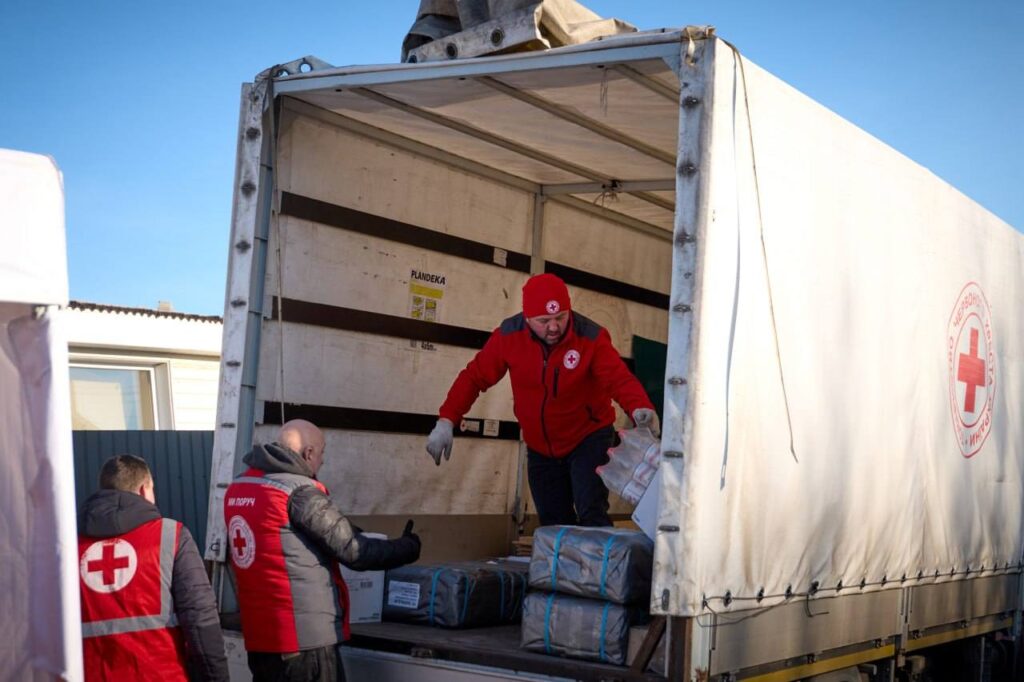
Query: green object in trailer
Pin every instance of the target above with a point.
(649, 366)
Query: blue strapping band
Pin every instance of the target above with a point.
(501, 607)
(554, 560)
(604, 627)
(604, 566)
(470, 584)
(547, 623)
(518, 605)
(433, 593)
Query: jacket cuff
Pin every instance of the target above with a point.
(455, 419)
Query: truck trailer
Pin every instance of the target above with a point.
(840, 490)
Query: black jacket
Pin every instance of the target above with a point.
(109, 513)
(312, 513)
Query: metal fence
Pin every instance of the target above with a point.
(180, 461)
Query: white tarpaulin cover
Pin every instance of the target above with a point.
(897, 343)
(33, 265)
(40, 633)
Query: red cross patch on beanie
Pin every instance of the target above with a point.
(545, 295)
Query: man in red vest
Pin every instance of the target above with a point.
(565, 374)
(148, 611)
(286, 538)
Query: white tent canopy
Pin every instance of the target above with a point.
(40, 633)
(33, 266)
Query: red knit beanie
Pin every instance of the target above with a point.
(544, 295)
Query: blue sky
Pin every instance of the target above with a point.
(138, 103)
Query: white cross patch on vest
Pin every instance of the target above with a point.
(108, 565)
(242, 542)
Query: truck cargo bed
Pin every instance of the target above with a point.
(492, 647)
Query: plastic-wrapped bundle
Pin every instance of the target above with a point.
(632, 464)
(459, 595)
(579, 628)
(598, 563)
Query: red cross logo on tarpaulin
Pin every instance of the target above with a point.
(972, 369)
(242, 542)
(108, 565)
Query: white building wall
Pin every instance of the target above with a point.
(182, 350)
(194, 394)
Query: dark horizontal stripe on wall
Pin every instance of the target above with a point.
(365, 223)
(383, 421)
(350, 219)
(607, 285)
(350, 319)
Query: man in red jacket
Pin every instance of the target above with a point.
(565, 373)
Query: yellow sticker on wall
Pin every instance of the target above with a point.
(426, 289)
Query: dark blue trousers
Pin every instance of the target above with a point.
(313, 665)
(566, 491)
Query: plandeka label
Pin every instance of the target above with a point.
(971, 358)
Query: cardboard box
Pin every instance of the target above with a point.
(365, 591)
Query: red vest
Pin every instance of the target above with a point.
(291, 595)
(129, 630)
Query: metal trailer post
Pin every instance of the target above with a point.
(689, 646)
(243, 311)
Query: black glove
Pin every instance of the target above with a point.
(411, 543)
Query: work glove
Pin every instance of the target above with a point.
(412, 542)
(643, 416)
(440, 441)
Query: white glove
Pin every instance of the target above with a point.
(643, 416)
(440, 441)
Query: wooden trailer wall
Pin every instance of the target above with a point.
(375, 309)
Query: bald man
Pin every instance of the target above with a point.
(286, 538)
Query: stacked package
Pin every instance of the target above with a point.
(579, 628)
(631, 464)
(456, 595)
(596, 583)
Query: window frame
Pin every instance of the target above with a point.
(157, 407)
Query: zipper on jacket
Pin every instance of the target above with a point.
(555, 394)
(543, 403)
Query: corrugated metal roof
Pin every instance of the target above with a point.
(145, 312)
